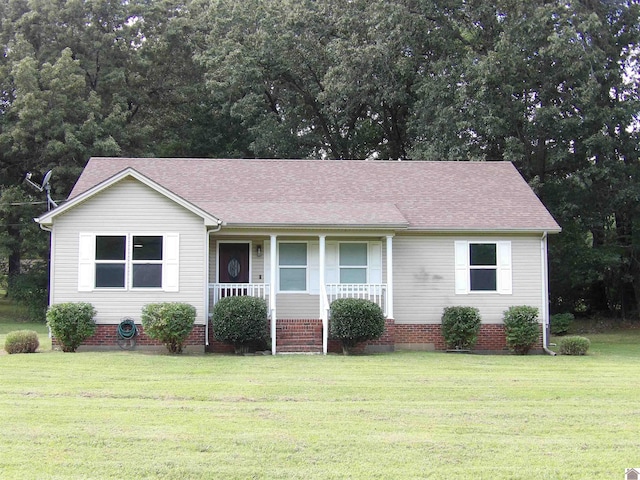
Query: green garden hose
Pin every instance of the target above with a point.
(127, 328)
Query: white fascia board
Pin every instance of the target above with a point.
(47, 219)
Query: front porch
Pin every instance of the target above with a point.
(298, 278)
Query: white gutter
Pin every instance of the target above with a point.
(206, 283)
(544, 310)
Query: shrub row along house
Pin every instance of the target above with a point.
(414, 237)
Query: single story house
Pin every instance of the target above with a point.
(414, 237)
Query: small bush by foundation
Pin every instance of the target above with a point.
(521, 328)
(574, 346)
(169, 322)
(21, 341)
(241, 321)
(71, 323)
(355, 320)
(460, 327)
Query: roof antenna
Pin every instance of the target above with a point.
(45, 187)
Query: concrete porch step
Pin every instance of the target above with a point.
(299, 348)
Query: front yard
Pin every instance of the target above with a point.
(402, 415)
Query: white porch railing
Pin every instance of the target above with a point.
(221, 290)
(374, 292)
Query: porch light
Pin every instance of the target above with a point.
(259, 250)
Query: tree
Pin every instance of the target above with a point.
(546, 85)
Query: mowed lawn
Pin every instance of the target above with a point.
(403, 415)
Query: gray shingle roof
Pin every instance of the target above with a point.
(437, 196)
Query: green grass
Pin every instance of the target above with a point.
(14, 317)
(403, 415)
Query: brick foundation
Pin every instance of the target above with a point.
(305, 336)
(429, 337)
(106, 336)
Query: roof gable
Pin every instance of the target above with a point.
(433, 196)
(47, 218)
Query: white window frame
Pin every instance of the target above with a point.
(353, 267)
(306, 266)
(463, 267)
(87, 262)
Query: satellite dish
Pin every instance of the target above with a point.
(47, 177)
(46, 187)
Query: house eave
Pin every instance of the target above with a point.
(478, 230)
(315, 226)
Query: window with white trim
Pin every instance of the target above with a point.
(483, 267)
(353, 262)
(111, 256)
(292, 266)
(128, 262)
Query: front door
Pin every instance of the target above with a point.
(233, 264)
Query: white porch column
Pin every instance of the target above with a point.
(272, 291)
(323, 296)
(390, 276)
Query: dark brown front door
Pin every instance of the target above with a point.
(234, 263)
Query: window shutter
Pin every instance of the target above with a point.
(314, 267)
(266, 258)
(332, 269)
(504, 268)
(375, 262)
(170, 259)
(86, 262)
(461, 267)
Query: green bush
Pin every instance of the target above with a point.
(21, 341)
(521, 328)
(560, 323)
(355, 320)
(574, 346)
(169, 322)
(71, 323)
(460, 327)
(241, 321)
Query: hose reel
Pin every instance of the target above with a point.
(127, 332)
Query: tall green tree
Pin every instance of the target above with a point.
(552, 87)
(315, 78)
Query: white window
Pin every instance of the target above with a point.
(292, 266)
(125, 262)
(353, 262)
(482, 267)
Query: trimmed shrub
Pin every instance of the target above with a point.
(21, 341)
(460, 327)
(521, 328)
(71, 323)
(355, 320)
(169, 322)
(574, 346)
(241, 321)
(560, 323)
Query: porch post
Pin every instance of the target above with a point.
(323, 297)
(272, 292)
(390, 276)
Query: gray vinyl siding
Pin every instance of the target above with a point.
(129, 207)
(424, 268)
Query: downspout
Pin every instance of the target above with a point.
(545, 294)
(50, 230)
(206, 285)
